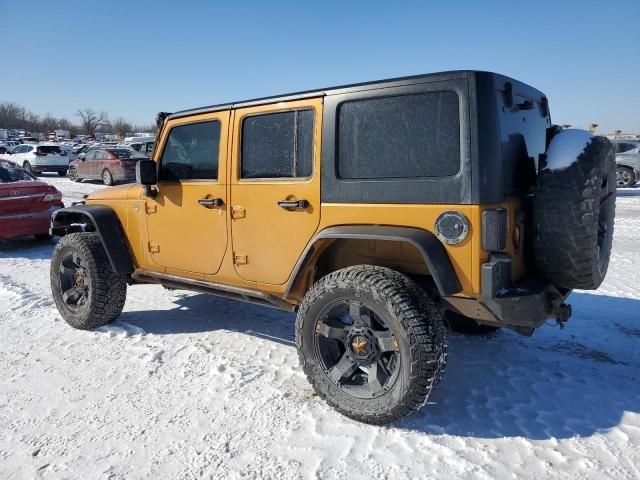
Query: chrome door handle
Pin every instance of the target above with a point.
(299, 204)
(211, 202)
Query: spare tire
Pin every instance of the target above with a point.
(574, 209)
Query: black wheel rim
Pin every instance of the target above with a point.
(74, 281)
(607, 195)
(356, 349)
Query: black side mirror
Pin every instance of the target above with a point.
(147, 175)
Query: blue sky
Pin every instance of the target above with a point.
(134, 59)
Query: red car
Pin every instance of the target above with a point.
(26, 204)
(110, 165)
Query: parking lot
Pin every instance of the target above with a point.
(185, 385)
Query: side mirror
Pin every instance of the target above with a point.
(147, 175)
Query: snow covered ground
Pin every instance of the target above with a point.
(190, 386)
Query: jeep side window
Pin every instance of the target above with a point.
(277, 145)
(404, 136)
(191, 152)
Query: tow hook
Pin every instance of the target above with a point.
(562, 314)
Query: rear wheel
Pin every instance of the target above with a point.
(368, 345)
(107, 178)
(625, 177)
(86, 290)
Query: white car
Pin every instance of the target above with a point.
(40, 157)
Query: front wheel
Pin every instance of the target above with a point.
(27, 166)
(369, 346)
(625, 177)
(86, 290)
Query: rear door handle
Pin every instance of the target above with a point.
(211, 202)
(299, 204)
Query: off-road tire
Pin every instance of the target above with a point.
(461, 324)
(106, 290)
(625, 177)
(568, 208)
(107, 178)
(412, 317)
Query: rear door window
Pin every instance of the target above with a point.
(277, 145)
(404, 136)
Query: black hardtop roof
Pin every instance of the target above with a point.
(342, 89)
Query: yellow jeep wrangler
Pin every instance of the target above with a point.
(381, 213)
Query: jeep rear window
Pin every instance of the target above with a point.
(399, 137)
(191, 152)
(278, 145)
(523, 130)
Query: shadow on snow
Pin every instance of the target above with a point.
(557, 384)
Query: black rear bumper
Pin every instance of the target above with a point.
(526, 303)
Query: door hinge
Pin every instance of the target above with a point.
(240, 258)
(151, 207)
(154, 247)
(238, 212)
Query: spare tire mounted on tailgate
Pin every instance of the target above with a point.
(574, 210)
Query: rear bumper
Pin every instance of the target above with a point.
(525, 303)
(49, 168)
(22, 224)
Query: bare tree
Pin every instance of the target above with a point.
(91, 120)
(12, 115)
(121, 127)
(48, 123)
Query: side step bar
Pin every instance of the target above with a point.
(202, 286)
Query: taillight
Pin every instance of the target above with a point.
(52, 197)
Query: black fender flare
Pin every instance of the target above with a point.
(106, 224)
(431, 249)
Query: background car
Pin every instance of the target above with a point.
(26, 204)
(146, 148)
(40, 157)
(111, 165)
(627, 162)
